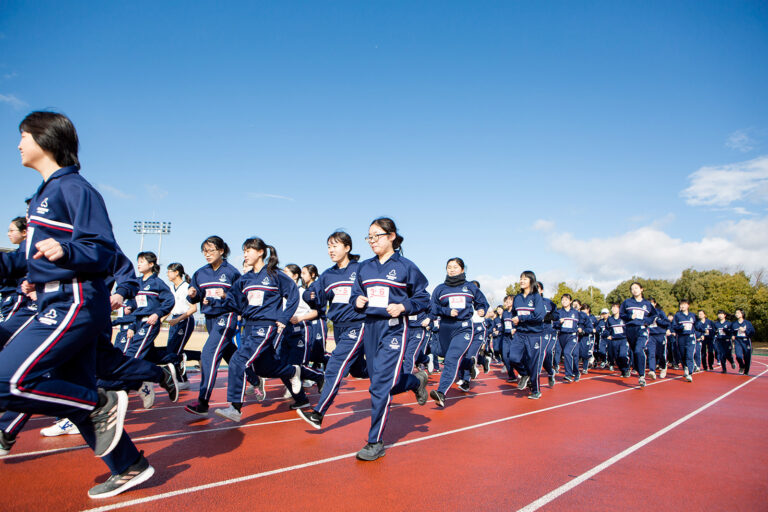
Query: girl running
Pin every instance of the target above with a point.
(684, 325)
(638, 314)
(333, 291)
(12, 298)
(182, 321)
(210, 285)
(48, 367)
(567, 326)
(723, 341)
(388, 288)
(454, 301)
(529, 312)
(618, 348)
(742, 332)
(258, 297)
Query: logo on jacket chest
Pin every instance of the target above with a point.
(265, 281)
(392, 275)
(353, 276)
(223, 278)
(42, 208)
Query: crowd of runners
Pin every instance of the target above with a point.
(67, 356)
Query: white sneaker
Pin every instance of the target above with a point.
(183, 385)
(147, 394)
(183, 364)
(685, 372)
(308, 384)
(287, 393)
(229, 413)
(652, 375)
(60, 428)
(296, 380)
(688, 378)
(663, 373)
(431, 363)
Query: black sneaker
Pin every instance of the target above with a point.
(371, 451)
(421, 391)
(486, 364)
(197, 408)
(320, 382)
(463, 386)
(136, 474)
(299, 404)
(626, 374)
(6, 443)
(314, 418)
(169, 383)
(576, 377)
(108, 421)
(438, 397)
(473, 368)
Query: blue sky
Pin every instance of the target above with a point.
(587, 141)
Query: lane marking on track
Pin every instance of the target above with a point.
(616, 458)
(158, 437)
(254, 476)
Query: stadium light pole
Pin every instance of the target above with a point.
(152, 227)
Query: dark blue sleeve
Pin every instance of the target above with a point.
(418, 298)
(167, 300)
(92, 245)
(290, 292)
(235, 301)
(13, 264)
(623, 314)
(195, 284)
(538, 311)
(125, 277)
(480, 301)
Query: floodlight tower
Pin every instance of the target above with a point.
(152, 227)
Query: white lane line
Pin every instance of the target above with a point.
(245, 478)
(247, 425)
(600, 467)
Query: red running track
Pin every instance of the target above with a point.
(599, 444)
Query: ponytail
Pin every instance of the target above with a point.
(272, 262)
(258, 244)
(344, 239)
(179, 268)
(388, 225)
(150, 258)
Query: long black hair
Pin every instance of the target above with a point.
(258, 244)
(150, 258)
(55, 134)
(344, 239)
(218, 243)
(20, 223)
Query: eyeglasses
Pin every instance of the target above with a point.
(211, 251)
(372, 239)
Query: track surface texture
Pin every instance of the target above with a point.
(599, 444)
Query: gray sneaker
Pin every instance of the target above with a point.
(372, 451)
(524, 380)
(147, 394)
(421, 391)
(229, 413)
(108, 421)
(136, 474)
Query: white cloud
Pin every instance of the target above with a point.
(650, 252)
(254, 195)
(720, 186)
(114, 191)
(13, 101)
(543, 225)
(156, 192)
(740, 141)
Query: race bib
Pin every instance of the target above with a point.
(618, 330)
(378, 296)
(457, 302)
(120, 312)
(51, 286)
(342, 294)
(568, 324)
(508, 324)
(214, 293)
(638, 314)
(256, 297)
(141, 301)
(687, 327)
(524, 312)
(721, 332)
